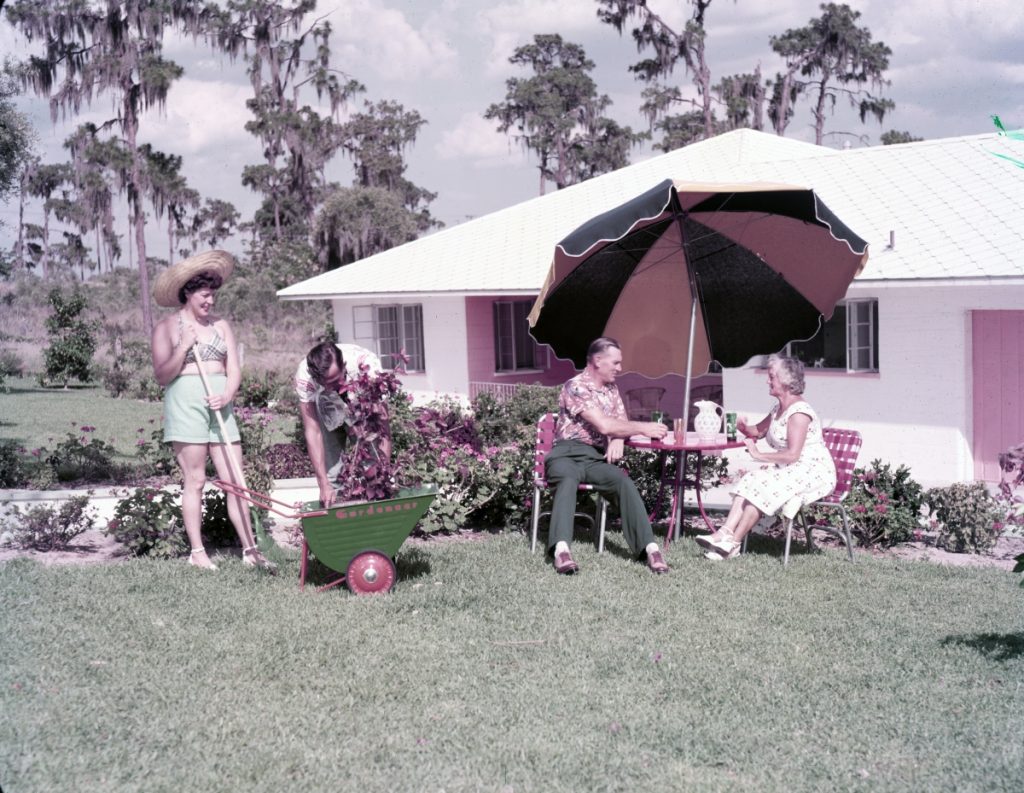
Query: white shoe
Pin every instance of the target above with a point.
(715, 556)
(725, 546)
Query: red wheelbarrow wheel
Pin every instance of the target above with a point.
(370, 573)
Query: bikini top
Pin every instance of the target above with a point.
(214, 350)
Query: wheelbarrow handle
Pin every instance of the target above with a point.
(264, 501)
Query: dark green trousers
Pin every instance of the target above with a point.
(571, 463)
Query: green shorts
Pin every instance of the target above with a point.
(187, 417)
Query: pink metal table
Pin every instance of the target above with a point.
(679, 447)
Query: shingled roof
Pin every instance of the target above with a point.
(952, 208)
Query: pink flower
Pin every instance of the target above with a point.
(112, 525)
(860, 508)
(881, 509)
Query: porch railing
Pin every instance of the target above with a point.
(499, 391)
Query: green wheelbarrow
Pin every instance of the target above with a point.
(358, 540)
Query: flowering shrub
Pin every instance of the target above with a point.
(131, 373)
(288, 461)
(82, 456)
(254, 429)
(43, 528)
(259, 389)
(13, 467)
(884, 506)
(156, 456)
(148, 522)
(966, 515)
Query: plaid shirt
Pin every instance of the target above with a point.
(578, 395)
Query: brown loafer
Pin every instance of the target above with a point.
(657, 562)
(564, 563)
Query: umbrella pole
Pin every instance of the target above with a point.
(686, 409)
(236, 470)
(689, 361)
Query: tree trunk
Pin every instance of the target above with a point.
(20, 245)
(138, 216)
(759, 96)
(704, 87)
(46, 240)
(819, 112)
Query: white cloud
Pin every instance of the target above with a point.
(369, 38)
(1012, 72)
(511, 24)
(478, 139)
(200, 115)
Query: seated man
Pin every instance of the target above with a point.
(320, 382)
(589, 438)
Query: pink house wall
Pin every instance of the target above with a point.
(480, 349)
(998, 376)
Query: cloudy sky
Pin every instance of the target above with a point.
(954, 63)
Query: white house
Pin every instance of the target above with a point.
(925, 356)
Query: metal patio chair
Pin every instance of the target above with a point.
(844, 446)
(641, 402)
(545, 440)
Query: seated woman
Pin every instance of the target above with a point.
(190, 425)
(803, 471)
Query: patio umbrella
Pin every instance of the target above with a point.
(689, 273)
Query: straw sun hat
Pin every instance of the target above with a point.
(170, 281)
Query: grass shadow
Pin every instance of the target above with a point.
(412, 563)
(997, 646)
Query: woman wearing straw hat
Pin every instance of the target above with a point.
(195, 359)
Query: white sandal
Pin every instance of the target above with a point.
(252, 557)
(192, 559)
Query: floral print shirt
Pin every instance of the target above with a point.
(578, 395)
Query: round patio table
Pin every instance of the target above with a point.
(679, 447)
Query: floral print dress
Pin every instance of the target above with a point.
(789, 487)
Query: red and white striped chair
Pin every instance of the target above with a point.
(545, 440)
(844, 446)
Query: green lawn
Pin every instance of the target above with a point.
(36, 416)
(42, 417)
(485, 671)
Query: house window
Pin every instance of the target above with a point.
(848, 341)
(514, 347)
(387, 330)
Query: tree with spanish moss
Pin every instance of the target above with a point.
(835, 57)
(558, 114)
(669, 48)
(286, 56)
(98, 166)
(111, 48)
